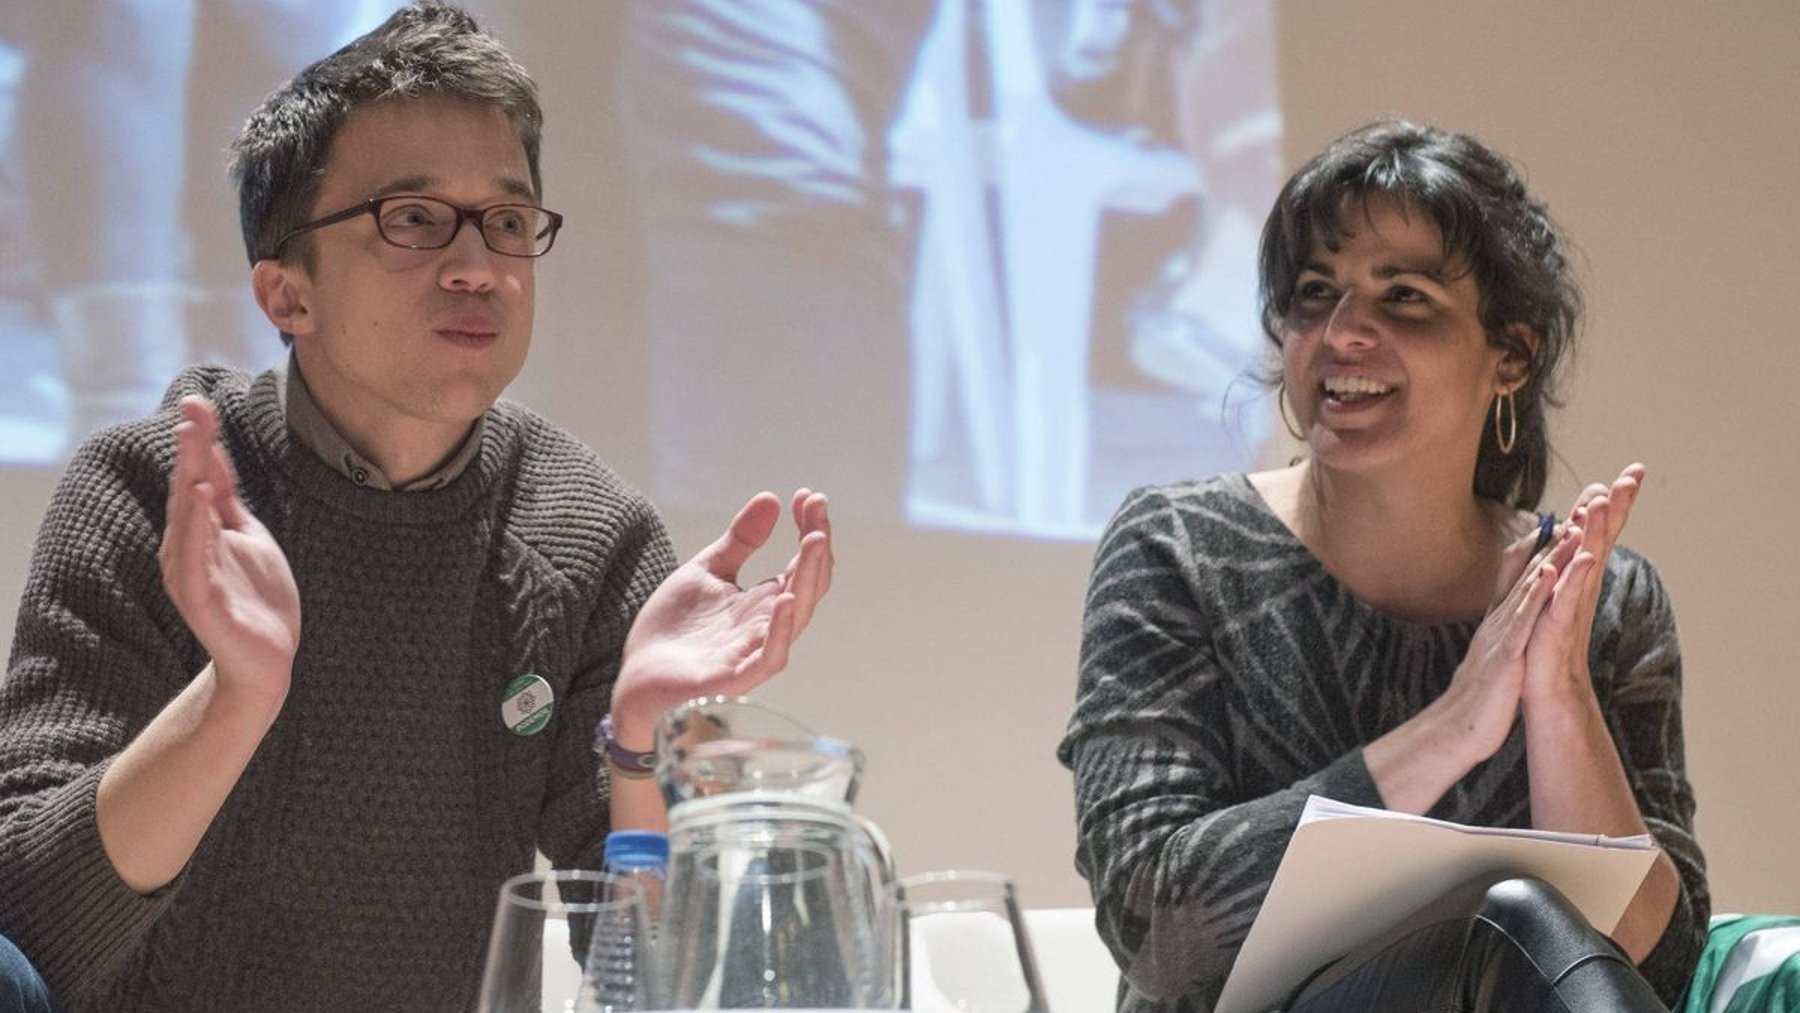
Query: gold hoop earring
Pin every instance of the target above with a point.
(1281, 406)
(1505, 439)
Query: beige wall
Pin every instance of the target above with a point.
(1665, 137)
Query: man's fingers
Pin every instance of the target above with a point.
(772, 656)
(812, 511)
(190, 543)
(780, 636)
(197, 409)
(743, 536)
(814, 518)
(223, 479)
(192, 436)
(199, 413)
(201, 463)
(185, 472)
(818, 520)
(809, 576)
(188, 520)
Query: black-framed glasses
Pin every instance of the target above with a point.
(414, 222)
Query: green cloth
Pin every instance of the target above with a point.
(1777, 991)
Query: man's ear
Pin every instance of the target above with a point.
(1521, 349)
(285, 294)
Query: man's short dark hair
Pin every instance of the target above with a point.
(425, 48)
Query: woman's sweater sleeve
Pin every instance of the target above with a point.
(1177, 861)
(1642, 703)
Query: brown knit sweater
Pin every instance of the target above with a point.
(356, 865)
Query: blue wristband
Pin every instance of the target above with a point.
(629, 762)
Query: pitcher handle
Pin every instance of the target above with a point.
(883, 850)
(893, 927)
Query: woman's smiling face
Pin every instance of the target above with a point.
(1383, 352)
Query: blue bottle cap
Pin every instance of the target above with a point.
(637, 849)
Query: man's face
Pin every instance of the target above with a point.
(394, 342)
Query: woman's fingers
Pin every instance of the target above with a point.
(1515, 564)
(1535, 591)
(1588, 492)
(1623, 495)
(1557, 553)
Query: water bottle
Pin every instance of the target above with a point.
(640, 857)
(621, 964)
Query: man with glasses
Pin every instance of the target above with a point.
(309, 662)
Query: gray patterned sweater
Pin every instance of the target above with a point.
(1226, 676)
(356, 864)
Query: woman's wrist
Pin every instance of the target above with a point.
(1565, 706)
(1465, 727)
(1414, 764)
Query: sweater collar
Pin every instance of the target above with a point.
(314, 431)
(258, 409)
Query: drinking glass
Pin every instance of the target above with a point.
(777, 927)
(966, 946)
(567, 941)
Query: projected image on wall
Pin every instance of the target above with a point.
(971, 264)
(1042, 215)
(118, 232)
(1088, 327)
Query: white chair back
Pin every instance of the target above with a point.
(1074, 966)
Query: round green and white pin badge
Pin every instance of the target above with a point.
(528, 701)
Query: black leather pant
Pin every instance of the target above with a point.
(1517, 945)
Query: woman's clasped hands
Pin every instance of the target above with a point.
(1556, 661)
(1530, 652)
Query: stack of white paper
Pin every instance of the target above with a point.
(1352, 873)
